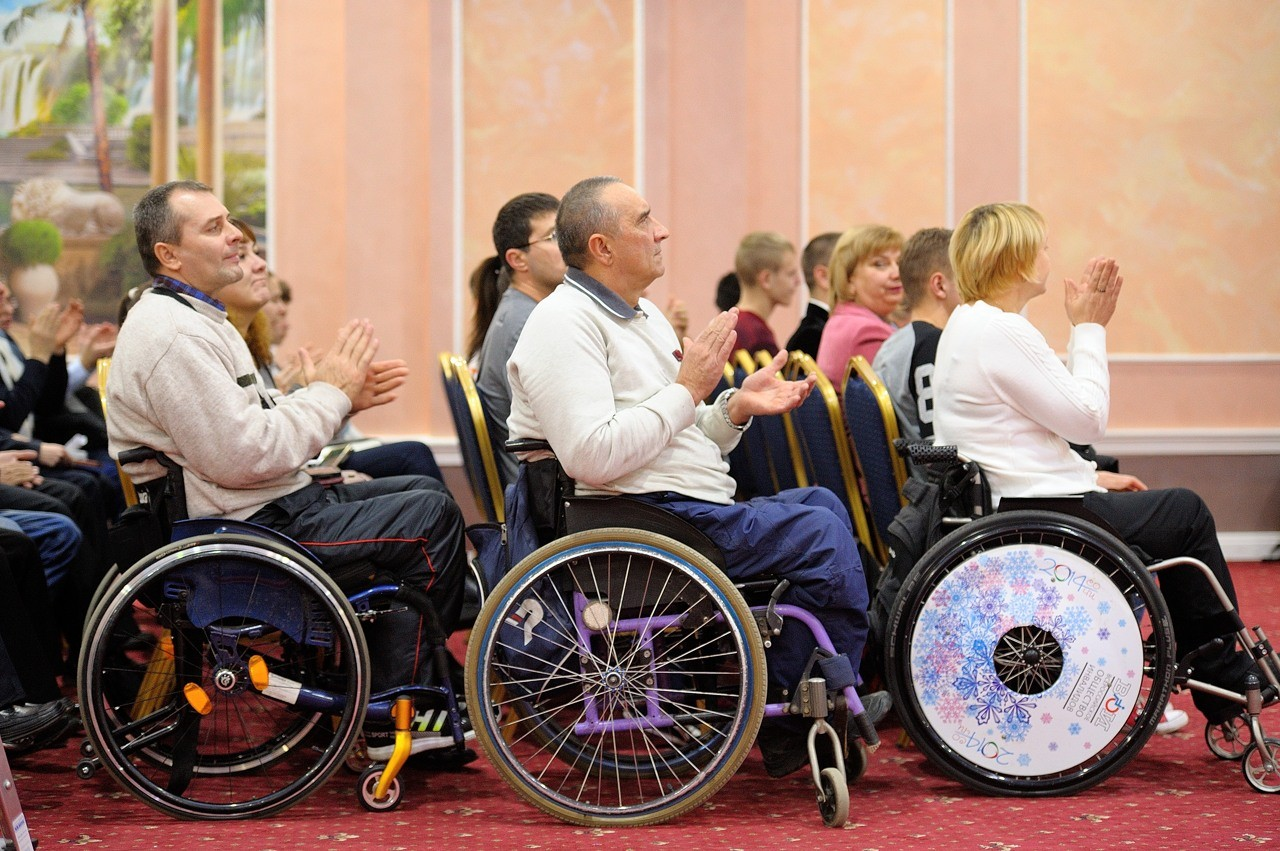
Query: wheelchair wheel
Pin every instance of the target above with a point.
(1260, 770)
(181, 723)
(1229, 739)
(635, 675)
(1016, 660)
(833, 798)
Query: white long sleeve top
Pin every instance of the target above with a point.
(183, 382)
(595, 377)
(1004, 398)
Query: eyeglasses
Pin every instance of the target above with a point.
(548, 238)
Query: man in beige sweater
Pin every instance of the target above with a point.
(183, 382)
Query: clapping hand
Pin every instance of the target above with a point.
(1094, 298)
(703, 359)
(347, 362)
(762, 393)
(381, 382)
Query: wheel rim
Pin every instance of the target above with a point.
(1263, 774)
(251, 754)
(1025, 663)
(1229, 739)
(591, 738)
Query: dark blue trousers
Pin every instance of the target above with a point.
(804, 536)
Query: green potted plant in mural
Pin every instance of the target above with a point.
(28, 250)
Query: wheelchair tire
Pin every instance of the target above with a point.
(1016, 661)
(179, 723)
(634, 672)
(1229, 739)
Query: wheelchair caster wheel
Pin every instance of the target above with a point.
(1263, 774)
(833, 798)
(369, 785)
(86, 768)
(86, 749)
(1229, 739)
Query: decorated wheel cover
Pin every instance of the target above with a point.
(1026, 660)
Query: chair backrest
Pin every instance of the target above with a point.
(126, 483)
(762, 463)
(827, 457)
(873, 427)
(473, 436)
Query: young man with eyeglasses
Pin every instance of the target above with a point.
(528, 259)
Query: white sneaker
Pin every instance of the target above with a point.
(1172, 720)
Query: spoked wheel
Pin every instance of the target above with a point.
(368, 789)
(1262, 771)
(1229, 739)
(634, 673)
(833, 798)
(249, 695)
(1017, 661)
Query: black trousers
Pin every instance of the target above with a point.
(404, 528)
(1176, 522)
(27, 628)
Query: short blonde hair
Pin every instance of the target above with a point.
(855, 246)
(994, 248)
(760, 251)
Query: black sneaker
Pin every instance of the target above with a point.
(784, 742)
(784, 745)
(30, 726)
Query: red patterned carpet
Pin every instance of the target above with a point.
(1175, 794)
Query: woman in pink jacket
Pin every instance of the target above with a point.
(865, 289)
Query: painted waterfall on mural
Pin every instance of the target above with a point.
(76, 114)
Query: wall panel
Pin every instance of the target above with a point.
(877, 104)
(1152, 137)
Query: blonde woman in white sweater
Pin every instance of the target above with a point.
(1005, 400)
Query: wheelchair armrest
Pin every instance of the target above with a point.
(923, 452)
(169, 489)
(146, 453)
(137, 454)
(527, 444)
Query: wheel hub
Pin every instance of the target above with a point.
(226, 680)
(1028, 659)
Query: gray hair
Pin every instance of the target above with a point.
(581, 215)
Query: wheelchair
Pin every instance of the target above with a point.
(1031, 653)
(627, 671)
(226, 675)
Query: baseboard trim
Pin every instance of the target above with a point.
(1123, 442)
(1249, 546)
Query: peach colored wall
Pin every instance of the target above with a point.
(1161, 150)
(544, 105)
(1147, 131)
(877, 105)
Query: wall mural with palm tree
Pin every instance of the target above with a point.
(77, 113)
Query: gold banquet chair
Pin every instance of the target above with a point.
(873, 427)
(826, 456)
(478, 457)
